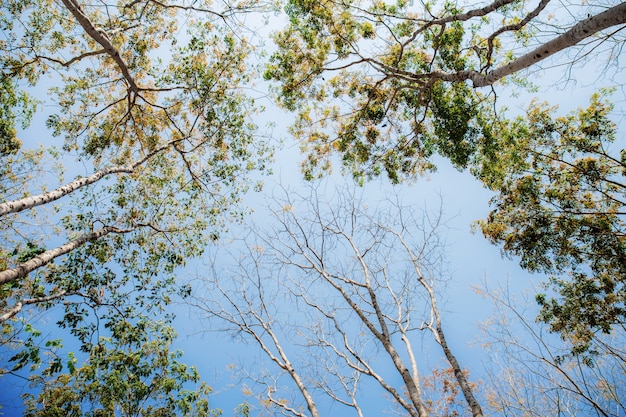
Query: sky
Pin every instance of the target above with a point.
(472, 260)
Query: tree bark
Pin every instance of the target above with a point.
(18, 306)
(102, 38)
(26, 203)
(458, 373)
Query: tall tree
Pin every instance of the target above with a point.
(147, 100)
(363, 283)
(385, 85)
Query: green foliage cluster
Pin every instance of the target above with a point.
(132, 372)
(382, 112)
(561, 195)
(10, 101)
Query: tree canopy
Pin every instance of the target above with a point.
(147, 115)
(561, 207)
(151, 140)
(387, 86)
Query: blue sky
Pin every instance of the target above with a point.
(472, 260)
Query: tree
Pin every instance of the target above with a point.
(184, 120)
(337, 295)
(385, 85)
(120, 361)
(147, 101)
(561, 207)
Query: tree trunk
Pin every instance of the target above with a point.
(33, 201)
(38, 261)
(18, 306)
(101, 37)
(37, 200)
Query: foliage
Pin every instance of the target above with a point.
(124, 339)
(386, 84)
(443, 392)
(146, 113)
(560, 206)
(132, 372)
(10, 101)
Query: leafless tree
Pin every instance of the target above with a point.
(342, 300)
(533, 372)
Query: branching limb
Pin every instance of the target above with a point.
(582, 30)
(20, 304)
(30, 202)
(439, 333)
(102, 38)
(509, 28)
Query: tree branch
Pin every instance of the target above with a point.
(26, 203)
(102, 38)
(18, 306)
(440, 335)
(542, 5)
(459, 17)
(614, 16)
(580, 31)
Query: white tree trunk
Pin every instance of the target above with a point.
(38, 261)
(26, 203)
(580, 31)
(37, 200)
(584, 29)
(18, 306)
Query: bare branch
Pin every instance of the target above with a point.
(347, 273)
(535, 360)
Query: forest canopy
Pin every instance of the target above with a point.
(131, 131)
(145, 140)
